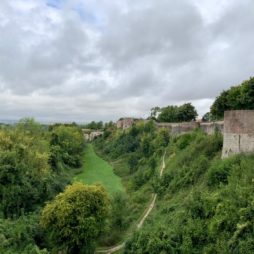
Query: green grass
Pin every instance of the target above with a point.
(96, 170)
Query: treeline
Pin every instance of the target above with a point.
(94, 125)
(174, 114)
(35, 162)
(240, 97)
(236, 98)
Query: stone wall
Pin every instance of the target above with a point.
(178, 128)
(125, 123)
(181, 128)
(210, 127)
(237, 129)
(238, 132)
(90, 135)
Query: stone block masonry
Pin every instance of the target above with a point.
(211, 127)
(181, 128)
(238, 132)
(178, 128)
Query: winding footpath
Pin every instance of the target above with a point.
(142, 220)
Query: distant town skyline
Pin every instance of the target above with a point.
(76, 60)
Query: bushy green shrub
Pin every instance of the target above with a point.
(67, 145)
(75, 218)
(18, 236)
(219, 172)
(27, 180)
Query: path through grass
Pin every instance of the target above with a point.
(97, 170)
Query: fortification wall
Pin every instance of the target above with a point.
(211, 127)
(125, 123)
(181, 128)
(90, 135)
(178, 128)
(238, 132)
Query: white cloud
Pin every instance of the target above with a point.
(103, 59)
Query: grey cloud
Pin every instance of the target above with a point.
(170, 30)
(191, 57)
(32, 60)
(136, 55)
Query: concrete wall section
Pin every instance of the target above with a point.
(237, 143)
(239, 121)
(210, 128)
(125, 123)
(178, 128)
(181, 128)
(238, 132)
(90, 135)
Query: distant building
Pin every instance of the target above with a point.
(90, 135)
(125, 123)
(95, 134)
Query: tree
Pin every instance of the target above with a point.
(236, 98)
(147, 146)
(206, 117)
(154, 112)
(220, 105)
(183, 113)
(119, 212)
(25, 173)
(186, 112)
(168, 114)
(133, 162)
(163, 138)
(94, 125)
(76, 217)
(67, 145)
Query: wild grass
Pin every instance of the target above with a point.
(95, 170)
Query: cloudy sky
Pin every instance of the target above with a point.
(83, 60)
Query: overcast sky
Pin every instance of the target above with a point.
(83, 60)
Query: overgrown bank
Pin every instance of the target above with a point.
(36, 163)
(135, 155)
(205, 205)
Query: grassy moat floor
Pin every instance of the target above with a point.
(96, 170)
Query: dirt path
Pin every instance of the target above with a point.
(146, 214)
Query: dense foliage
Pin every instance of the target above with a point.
(183, 113)
(135, 155)
(206, 204)
(28, 179)
(21, 235)
(76, 217)
(235, 98)
(67, 145)
(94, 125)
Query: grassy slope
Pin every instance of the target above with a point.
(205, 204)
(96, 170)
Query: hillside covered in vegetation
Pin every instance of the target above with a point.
(36, 164)
(59, 194)
(205, 203)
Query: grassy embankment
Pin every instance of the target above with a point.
(205, 203)
(96, 170)
(135, 156)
